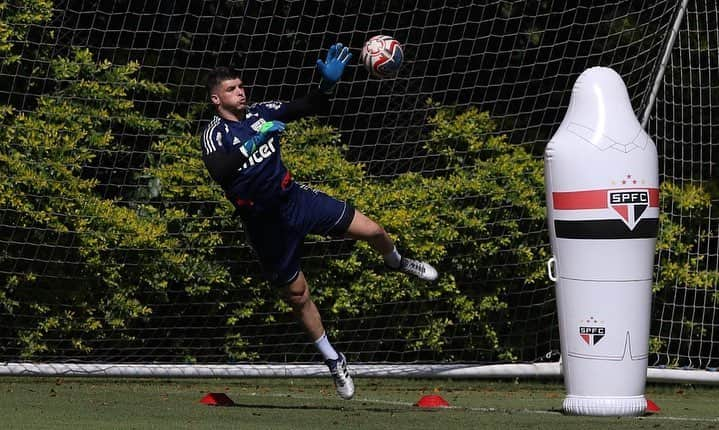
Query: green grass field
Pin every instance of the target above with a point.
(79, 403)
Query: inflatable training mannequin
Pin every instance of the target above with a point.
(602, 183)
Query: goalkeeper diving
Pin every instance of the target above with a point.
(241, 149)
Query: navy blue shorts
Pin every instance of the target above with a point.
(277, 235)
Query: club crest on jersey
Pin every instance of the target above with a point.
(257, 125)
(630, 204)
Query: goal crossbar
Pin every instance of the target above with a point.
(294, 370)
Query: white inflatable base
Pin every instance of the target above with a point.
(605, 406)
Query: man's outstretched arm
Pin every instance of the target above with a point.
(317, 102)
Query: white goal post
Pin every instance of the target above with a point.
(295, 370)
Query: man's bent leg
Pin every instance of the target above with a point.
(305, 310)
(363, 228)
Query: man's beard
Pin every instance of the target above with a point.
(239, 110)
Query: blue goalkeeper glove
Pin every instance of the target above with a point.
(272, 127)
(269, 128)
(332, 68)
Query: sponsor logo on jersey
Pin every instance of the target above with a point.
(308, 188)
(264, 152)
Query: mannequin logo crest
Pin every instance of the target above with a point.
(592, 335)
(629, 204)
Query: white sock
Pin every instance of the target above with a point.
(393, 258)
(324, 346)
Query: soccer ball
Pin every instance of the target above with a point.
(382, 56)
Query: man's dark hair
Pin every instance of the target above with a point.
(219, 74)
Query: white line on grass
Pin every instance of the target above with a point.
(474, 409)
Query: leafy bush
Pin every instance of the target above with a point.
(683, 277)
(86, 265)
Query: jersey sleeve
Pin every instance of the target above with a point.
(220, 163)
(314, 103)
(213, 137)
(222, 166)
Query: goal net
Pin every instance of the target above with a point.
(116, 248)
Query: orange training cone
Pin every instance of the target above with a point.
(432, 401)
(217, 399)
